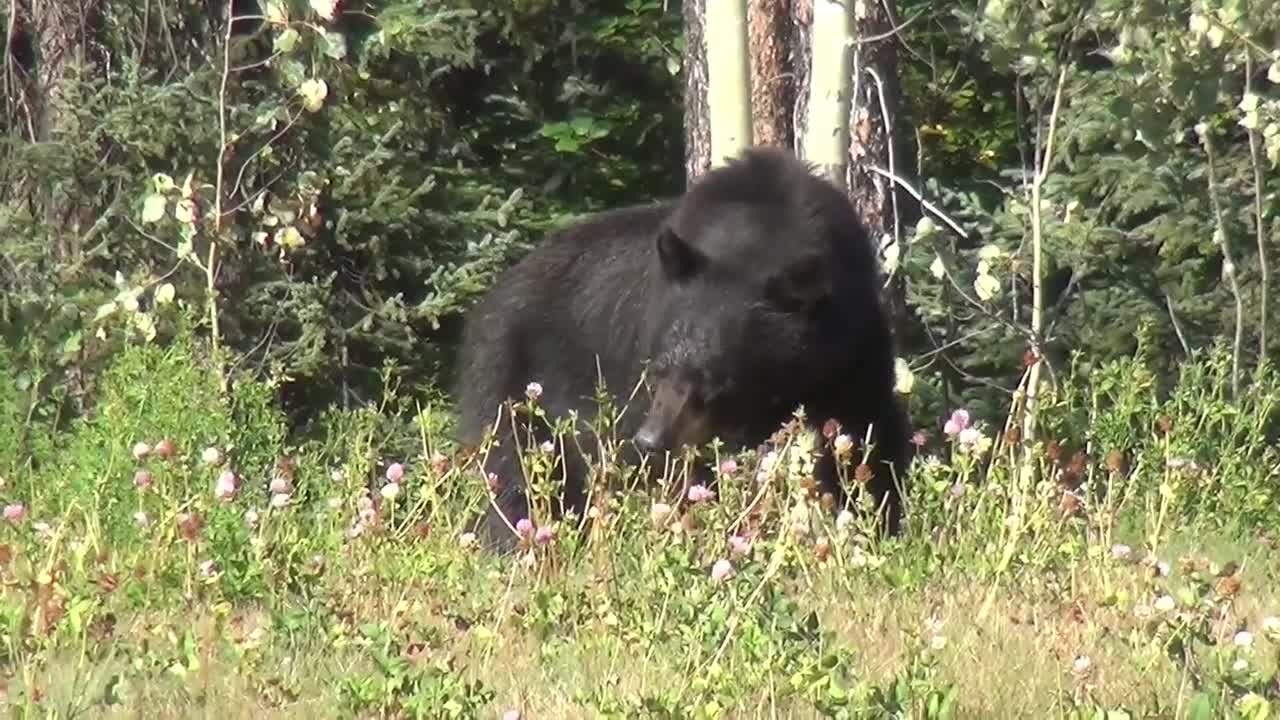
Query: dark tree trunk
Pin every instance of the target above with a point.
(800, 43)
(697, 115)
(871, 121)
(872, 130)
(772, 79)
(58, 36)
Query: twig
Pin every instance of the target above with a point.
(211, 271)
(1228, 264)
(916, 194)
(1177, 326)
(1257, 214)
(888, 135)
(1037, 272)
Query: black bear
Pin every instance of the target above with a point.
(752, 294)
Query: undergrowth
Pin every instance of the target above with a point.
(176, 554)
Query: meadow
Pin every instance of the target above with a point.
(173, 556)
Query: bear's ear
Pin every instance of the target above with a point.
(678, 258)
(801, 284)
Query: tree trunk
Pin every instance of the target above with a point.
(697, 126)
(800, 41)
(772, 84)
(872, 115)
(60, 35)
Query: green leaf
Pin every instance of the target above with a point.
(287, 41)
(333, 44)
(1200, 708)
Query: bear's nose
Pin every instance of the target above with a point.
(647, 440)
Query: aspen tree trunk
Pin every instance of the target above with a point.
(728, 78)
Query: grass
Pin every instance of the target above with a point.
(1136, 581)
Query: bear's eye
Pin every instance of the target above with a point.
(801, 285)
(679, 259)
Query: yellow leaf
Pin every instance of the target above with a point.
(937, 268)
(327, 9)
(153, 208)
(165, 294)
(903, 379)
(290, 238)
(185, 211)
(313, 93)
(986, 286)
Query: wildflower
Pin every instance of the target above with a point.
(659, 513)
(843, 444)
(844, 519)
(337, 475)
(958, 490)
(190, 525)
(958, 421)
(251, 517)
(390, 491)
(1162, 568)
(395, 471)
(141, 450)
(164, 449)
(439, 463)
(739, 546)
(1271, 627)
(208, 568)
(1243, 639)
(544, 535)
(279, 484)
(1240, 665)
(1165, 603)
(142, 480)
(356, 530)
(141, 520)
(1121, 552)
(698, 493)
(533, 390)
(919, 438)
(970, 436)
(279, 501)
(1082, 664)
(335, 503)
(512, 715)
(547, 447)
(768, 462)
(225, 488)
(467, 539)
(15, 512)
(211, 456)
(728, 467)
(721, 571)
(524, 527)
(937, 642)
